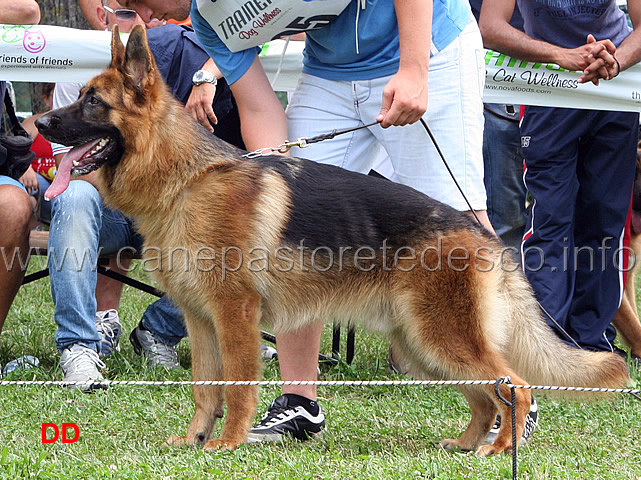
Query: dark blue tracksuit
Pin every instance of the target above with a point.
(580, 170)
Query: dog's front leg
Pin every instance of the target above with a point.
(206, 365)
(239, 337)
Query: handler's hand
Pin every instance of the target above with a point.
(404, 98)
(199, 104)
(603, 64)
(595, 59)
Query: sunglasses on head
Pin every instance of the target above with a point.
(124, 14)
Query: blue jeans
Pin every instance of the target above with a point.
(82, 229)
(503, 161)
(45, 205)
(165, 320)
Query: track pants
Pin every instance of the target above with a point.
(580, 168)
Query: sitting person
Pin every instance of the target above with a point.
(15, 207)
(81, 227)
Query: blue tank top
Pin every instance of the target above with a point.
(566, 23)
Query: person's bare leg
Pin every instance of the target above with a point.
(15, 216)
(109, 290)
(298, 358)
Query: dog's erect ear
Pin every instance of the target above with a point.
(117, 48)
(139, 62)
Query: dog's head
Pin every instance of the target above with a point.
(94, 124)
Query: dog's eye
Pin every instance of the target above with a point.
(94, 101)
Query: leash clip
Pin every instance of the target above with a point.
(260, 152)
(300, 143)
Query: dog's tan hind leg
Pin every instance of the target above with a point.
(626, 320)
(484, 412)
(503, 442)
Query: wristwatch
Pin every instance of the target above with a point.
(202, 76)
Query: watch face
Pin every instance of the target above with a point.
(202, 76)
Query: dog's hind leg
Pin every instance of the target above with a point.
(237, 319)
(464, 358)
(503, 442)
(484, 412)
(484, 405)
(206, 365)
(421, 362)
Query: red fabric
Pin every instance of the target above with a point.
(43, 163)
(626, 244)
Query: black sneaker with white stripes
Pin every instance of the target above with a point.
(531, 420)
(289, 415)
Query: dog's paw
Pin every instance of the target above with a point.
(175, 441)
(217, 445)
(491, 450)
(449, 444)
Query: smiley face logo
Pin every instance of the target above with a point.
(34, 41)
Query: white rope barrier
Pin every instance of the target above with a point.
(346, 383)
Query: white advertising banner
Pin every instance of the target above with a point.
(509, 80)
(44, 53)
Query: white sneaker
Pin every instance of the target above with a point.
(80, 364)
(110, 329)
(268, 352)
(158, 354)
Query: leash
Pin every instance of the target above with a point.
(304, 142)
(449, 170)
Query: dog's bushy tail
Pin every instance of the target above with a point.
(538, 354)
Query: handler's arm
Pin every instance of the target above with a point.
(19, 12)
(405, 95)
(262, 117)
(201, 99)
(629, 52)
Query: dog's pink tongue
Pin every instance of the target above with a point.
(63, 174)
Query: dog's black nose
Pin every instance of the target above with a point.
(46, 122)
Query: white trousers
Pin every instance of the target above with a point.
(404, 154)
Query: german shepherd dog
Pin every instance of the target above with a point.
(284, 242)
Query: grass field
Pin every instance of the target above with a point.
(373, 432)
